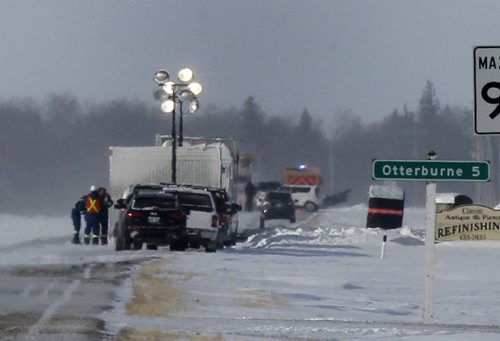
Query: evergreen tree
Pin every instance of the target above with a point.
(306, 121)
(428, 106)
(251, 124)
(428, 120)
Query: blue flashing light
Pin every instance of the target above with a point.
(302, 166)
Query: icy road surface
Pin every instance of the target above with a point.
(319, 279)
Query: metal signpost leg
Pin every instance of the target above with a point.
(429, 249)
(174, 150)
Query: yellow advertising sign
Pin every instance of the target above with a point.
(471, 222)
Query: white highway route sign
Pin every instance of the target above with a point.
(487, 90)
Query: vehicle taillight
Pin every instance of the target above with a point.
(177, 215)
(133, 214)
(215, 220)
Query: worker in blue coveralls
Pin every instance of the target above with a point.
(93, 208)
(76, 217)
(106, 202)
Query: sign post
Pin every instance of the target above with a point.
(431, 171)
(430, 232)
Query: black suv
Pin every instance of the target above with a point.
(150, 217)
(277, 205)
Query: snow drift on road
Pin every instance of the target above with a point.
(342, 226)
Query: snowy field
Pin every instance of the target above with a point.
(322, 278)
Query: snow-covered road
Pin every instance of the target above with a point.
(322, 278)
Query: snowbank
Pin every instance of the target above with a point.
(18, 229)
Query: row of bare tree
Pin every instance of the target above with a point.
(52, 151)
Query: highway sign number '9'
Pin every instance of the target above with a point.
(487, 89)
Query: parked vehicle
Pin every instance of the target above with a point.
(277, 205)
(197, 226)
(302, 175)
(228, 213)
(447, 201)
(206, 226)
(147, 187)
(262, 189)
(304, 196)
(152, 218)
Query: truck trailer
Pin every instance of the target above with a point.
(200, 161)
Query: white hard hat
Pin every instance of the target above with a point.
(93, 188)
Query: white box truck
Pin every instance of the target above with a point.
(200, 161)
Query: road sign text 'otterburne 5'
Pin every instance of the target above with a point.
(430, 170)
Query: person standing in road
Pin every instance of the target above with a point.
(106, 202)
(92, 213)
(250, 191)
(76, 217)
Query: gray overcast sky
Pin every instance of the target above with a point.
(327, 55)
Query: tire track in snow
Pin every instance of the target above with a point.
(45, 292)
(52, 309)
(27, 290)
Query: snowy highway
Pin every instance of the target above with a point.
(46, 299)
(319, 279)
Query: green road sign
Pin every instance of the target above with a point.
(431, 170)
